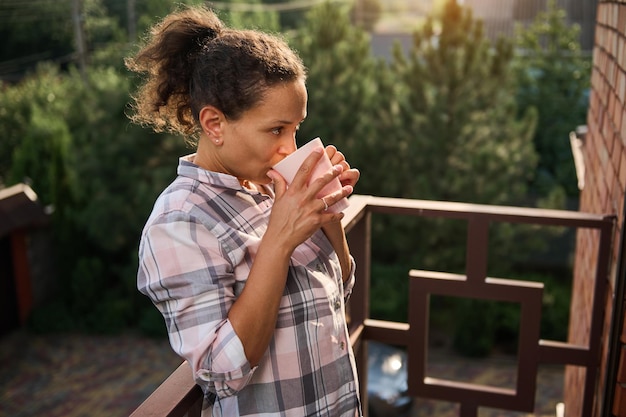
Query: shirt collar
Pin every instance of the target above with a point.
(187, 168)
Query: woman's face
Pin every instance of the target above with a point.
(265, 134)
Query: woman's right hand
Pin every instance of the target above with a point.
(297, 212)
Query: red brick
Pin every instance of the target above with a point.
(611, 106)
(601, 149)
(616, 156)
(612, 147)
(623, 128)
(600, 36)
(602, 10)
(620, 220)
(620, 104)
(619, 49)
(610, 179)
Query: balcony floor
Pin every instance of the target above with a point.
(104, 376)
(79, 375)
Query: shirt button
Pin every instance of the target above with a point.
(337, 304)
(342, 345)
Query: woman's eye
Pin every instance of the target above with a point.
(276, 131)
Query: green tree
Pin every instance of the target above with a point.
(35, 132)
(31, 32)
(449, 119)
(72, 141)
(105, 39)
(290, 17)
(554, 78)
(341, 79)
(458, 114)
(45, 31)
(150, 11)
(43, 153)
(439, 123)
(247, 18)
(458, 137)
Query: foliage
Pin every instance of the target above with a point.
(100, 174)
(366, 13)
(442, 122)
(35, 134)
(341, 86)
(390, 285)
(32, 32)
(105, 39)
(248, 19)
(458, 119)
(553, 78)
(49, 32)
(151, 11)
(474, 329)
(291, 17)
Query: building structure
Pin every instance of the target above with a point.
(604, 157)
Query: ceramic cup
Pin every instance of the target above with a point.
(289, 166)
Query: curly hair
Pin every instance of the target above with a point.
(191, 60)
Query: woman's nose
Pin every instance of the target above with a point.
(288, 147)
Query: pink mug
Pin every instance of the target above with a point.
(289, 166)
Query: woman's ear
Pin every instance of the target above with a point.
(211, 121)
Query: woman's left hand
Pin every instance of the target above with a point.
(349, 176)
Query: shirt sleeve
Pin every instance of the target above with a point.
(187, 274)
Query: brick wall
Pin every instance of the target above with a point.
(605, 184)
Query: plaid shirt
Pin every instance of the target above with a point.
(195, 255)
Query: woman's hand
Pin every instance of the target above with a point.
(297, 212)
(349, 176)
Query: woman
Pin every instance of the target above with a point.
(250, 275)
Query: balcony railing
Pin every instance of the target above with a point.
(178, 396)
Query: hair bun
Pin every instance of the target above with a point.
(208, 33)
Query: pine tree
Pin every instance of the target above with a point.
(554, 79)
(246, 18)
(458, 116)
(340, 79)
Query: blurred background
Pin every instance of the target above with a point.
(469, 101)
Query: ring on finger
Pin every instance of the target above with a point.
(325, 203)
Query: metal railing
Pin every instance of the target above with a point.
(178, 396)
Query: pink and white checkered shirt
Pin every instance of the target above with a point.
(195, 255)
